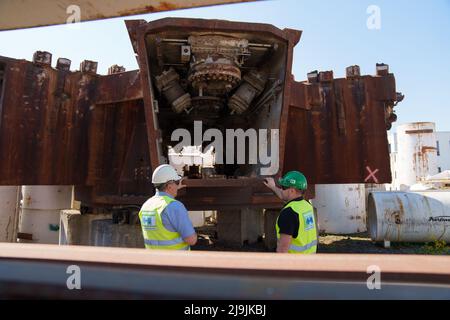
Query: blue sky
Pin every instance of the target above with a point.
(414, 39)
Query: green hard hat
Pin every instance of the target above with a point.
(294, 179)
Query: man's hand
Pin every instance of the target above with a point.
(270, 183)
(191, 240)
(181, 185)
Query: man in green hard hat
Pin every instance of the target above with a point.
(295, 226)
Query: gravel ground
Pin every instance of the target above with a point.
(328, 243)
(361, 243)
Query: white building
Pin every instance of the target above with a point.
(443, 150)
(417, 151)
(392, 140)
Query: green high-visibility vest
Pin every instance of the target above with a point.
(156, 236)
(306, 241)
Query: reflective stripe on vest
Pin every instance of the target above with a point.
(160, 243)
(156, 236)
(303, 248)
(306, 241)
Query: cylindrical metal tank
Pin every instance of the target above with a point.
(409, 216)
(40, 215)
(417, 153)
(9, 197)
(340, 208)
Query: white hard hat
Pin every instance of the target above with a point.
(164, 173)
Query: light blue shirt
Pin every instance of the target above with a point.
(175, 217)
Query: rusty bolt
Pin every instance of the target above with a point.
(42, 57)
(382, 69)
(116, 69)
(313, 76)
(185, 54)
(63, 64)
(353, 71)
(326, 76)
(88, 66)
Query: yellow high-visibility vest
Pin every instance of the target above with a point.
(306, 241)
(156, 236)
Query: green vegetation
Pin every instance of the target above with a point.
(438, 247)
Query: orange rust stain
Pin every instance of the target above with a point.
(167, 6)
(399, 216)
(163, 6)
(427, 149)
(28, 200)
(422, 158)
(99, 16)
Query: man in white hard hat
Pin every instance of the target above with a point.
(165, 221)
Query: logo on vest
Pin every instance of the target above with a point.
(309, 220)
(149, 220)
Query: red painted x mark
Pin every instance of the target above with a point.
(371, 174)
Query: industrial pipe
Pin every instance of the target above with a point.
(409, 216)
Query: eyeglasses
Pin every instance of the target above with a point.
(284, 188)
(177, 182)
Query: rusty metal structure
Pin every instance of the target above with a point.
(106, 133)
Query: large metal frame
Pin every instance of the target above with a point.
(100, 133)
